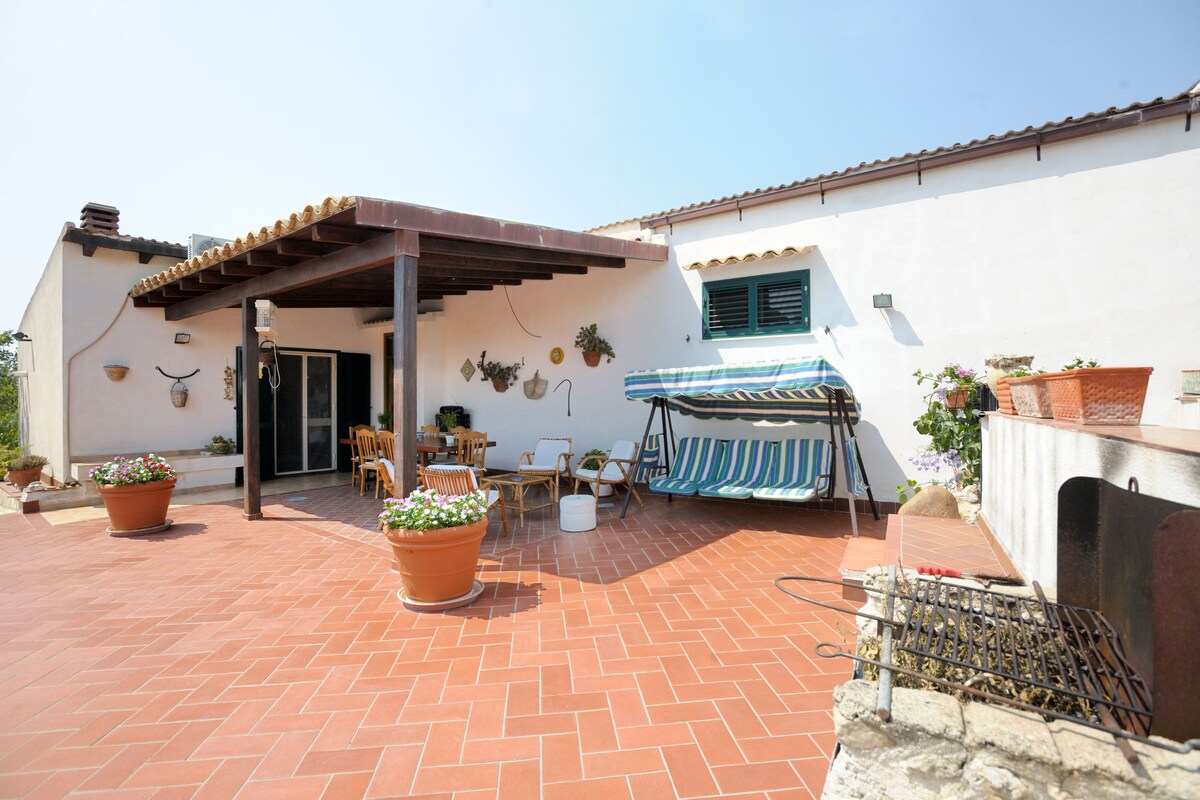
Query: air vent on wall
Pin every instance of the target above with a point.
(198, 243)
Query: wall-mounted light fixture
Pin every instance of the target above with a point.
(882, 301)
(21, 336)
(182, 338)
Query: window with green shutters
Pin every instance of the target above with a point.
(758, 306)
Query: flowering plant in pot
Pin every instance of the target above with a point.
(24, 470)
(435, 539)
(954, 386)
(951, 420)
(136, 492)
(593, 345)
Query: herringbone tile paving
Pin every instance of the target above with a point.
(650, 658)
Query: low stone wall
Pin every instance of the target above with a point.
(936, 747)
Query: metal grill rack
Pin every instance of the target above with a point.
(1054, 659)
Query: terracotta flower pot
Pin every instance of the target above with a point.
(1030, 397)
(499, 385)
(437, 565)
(1004, 397)
(143, 505)
(23, 477)
(592, 357)
(958, 399)
(1100, 395)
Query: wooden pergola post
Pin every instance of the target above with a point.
(251, 472)
(404, 359)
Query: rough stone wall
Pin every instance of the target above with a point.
(937, 748)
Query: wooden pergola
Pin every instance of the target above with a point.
(365, 252)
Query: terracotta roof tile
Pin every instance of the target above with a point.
(763, 255)
(215, 255)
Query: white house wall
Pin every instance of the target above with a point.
(41, 399)
(1090, 251)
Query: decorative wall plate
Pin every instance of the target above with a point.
(556, 355)
(467, 370)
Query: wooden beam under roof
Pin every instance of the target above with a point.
(457, 247)
(318, 270)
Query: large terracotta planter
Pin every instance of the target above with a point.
(592, 357)
(439, 565)
(137, 507)
(1100, 395)
(1004, 397)
(21, 478)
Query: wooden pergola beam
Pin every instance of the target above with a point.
(343, 262)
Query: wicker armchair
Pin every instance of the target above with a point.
(455, 480)
(615, 470)
(551, 458)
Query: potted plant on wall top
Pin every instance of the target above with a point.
(136, 493)
(24, 470)
(593, 345)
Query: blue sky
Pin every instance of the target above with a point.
(219, 117)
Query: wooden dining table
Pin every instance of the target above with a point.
(429, 446)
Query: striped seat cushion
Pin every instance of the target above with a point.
(801, 471)
(697, 460)
(748, 464)
(857, 484)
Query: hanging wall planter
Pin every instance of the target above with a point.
(593, 345)
(179, 392)
(500, 375)
(116, 372)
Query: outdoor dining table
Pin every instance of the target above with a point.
(429, 446)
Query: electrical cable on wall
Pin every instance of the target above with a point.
(514, 313)
(268, 362)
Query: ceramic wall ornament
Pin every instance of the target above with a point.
(556, 355)
(467, 370)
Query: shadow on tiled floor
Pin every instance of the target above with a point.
(651, 657)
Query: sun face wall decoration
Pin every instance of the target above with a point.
(556, 355)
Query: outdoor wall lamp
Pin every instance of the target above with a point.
(182, 338)
(21, 336)
(883, 301)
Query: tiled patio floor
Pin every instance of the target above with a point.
(649, 658)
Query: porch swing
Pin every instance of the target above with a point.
(803, 390)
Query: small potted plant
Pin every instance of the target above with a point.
(384, 418)
(24, 470)
(219, 446)
(1028, 393)
(500, 375)
(136, 493)
(954, 386)
(592, 459)
(448, 420)
(1088, 394)
(435, 539)
(593, 345)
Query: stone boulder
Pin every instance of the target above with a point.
(932, 501)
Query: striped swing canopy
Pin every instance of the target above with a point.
(794, 390)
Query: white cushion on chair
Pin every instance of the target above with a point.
(546, 455)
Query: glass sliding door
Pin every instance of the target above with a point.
(305, 408)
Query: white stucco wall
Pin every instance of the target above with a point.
(1090, 251)
(41, 402)
(1026, 462)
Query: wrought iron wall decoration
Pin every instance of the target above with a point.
(179, 392)
(567, 381)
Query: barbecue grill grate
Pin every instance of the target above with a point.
(1061, 660)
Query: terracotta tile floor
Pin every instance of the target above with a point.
(650, 658)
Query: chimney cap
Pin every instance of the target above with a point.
(99, 218)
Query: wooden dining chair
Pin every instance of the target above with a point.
(387, 449)
(455, 481)
(472, 451)
(355, 457)
(368, 454)
(431, 430)
(387, 476)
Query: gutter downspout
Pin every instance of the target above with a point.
(67, 385)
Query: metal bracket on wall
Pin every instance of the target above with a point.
(570, 385)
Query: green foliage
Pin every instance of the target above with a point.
(589, 340)
(9, 454)
(27, 462)
(956, 438)
(9, 429)
(447, 419)
(908, 486)
(1079, 363)
(1024, 372)
(384, 419)
(220, 445)
(592, 459)
(495, 371)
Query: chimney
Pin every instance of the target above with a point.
(99, 219)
